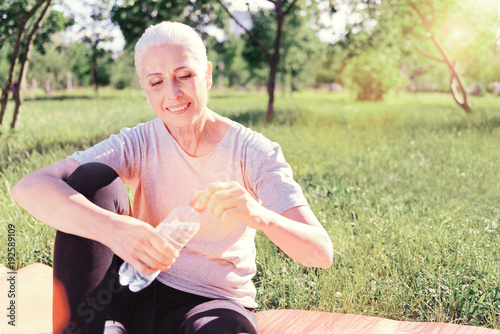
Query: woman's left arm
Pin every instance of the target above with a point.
(296, 232)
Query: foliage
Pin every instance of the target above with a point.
(10, 13)
(461, 33)
(263, 27)
(226, 60)
(123, 71)
(55, 22)
(407, 189)
(371, 74)
(52, 64)
(299, 48)
(29, 17)
(135, 16)
(61, 58)
(4, 66)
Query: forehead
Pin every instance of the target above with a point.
(167, 58)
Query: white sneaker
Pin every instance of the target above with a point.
(114, 327)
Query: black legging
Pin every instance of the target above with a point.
(86, 268)
(88, 271)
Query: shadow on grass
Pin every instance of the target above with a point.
(250, 118)
(486, 125)
(62, 97)
(258, 117)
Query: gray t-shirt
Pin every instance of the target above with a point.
(219, 262)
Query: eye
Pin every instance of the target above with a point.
(185, 76)
(156, 83)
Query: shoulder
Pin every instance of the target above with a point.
(254, 143)
(142, 130)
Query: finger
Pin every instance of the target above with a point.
(163, 263)
(162, 246)
(219, 196)
(230, 214)
(216, 186)
(199, 203)
(224, 205)
(202, 197)
(161, 254)
(143, 268)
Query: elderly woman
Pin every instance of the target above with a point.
(236, 177)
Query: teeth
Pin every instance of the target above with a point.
(179, 108)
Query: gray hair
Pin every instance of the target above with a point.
(173, 33)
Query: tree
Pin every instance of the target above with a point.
(281, 9)
(22, 21)
(299, 47)
(428, 20)
(371, 74)
(226, 57)
(358, 37)
(96, 30)
(433, 28)
(52, 63)
(22, 46)
(263, 26)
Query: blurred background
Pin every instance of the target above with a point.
(370, 47)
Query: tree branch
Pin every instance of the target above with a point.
(419, 13)
(25, 55)
(15, 53)
(424, 53)
(289, 7)
(250, 33)
(29, 40)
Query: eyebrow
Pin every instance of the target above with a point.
(158, 73)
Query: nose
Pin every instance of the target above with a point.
(171, 90)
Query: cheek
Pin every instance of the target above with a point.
(153, 98)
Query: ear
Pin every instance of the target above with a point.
(209, 75)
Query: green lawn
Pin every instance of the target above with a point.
(408, 189)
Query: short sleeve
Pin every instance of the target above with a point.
(121, 152)
(270, 177)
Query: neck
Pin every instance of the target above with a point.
(192, 137)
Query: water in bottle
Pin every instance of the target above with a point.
(178, 228)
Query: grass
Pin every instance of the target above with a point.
(406, 188)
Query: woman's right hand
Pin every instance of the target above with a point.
(139, 244)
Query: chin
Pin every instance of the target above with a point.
(181, 120)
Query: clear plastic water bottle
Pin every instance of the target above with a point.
(178, 228)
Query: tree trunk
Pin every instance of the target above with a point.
(25, 59)
(15, 54)
(275, 60)
(461, 101)
(271, 83)
(13, 61)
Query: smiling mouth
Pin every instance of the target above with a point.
(180, 108)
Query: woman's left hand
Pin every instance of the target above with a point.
(296, 231)
(230, 201)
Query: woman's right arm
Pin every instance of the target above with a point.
(47, 196)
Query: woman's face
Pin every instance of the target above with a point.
(176, 86)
